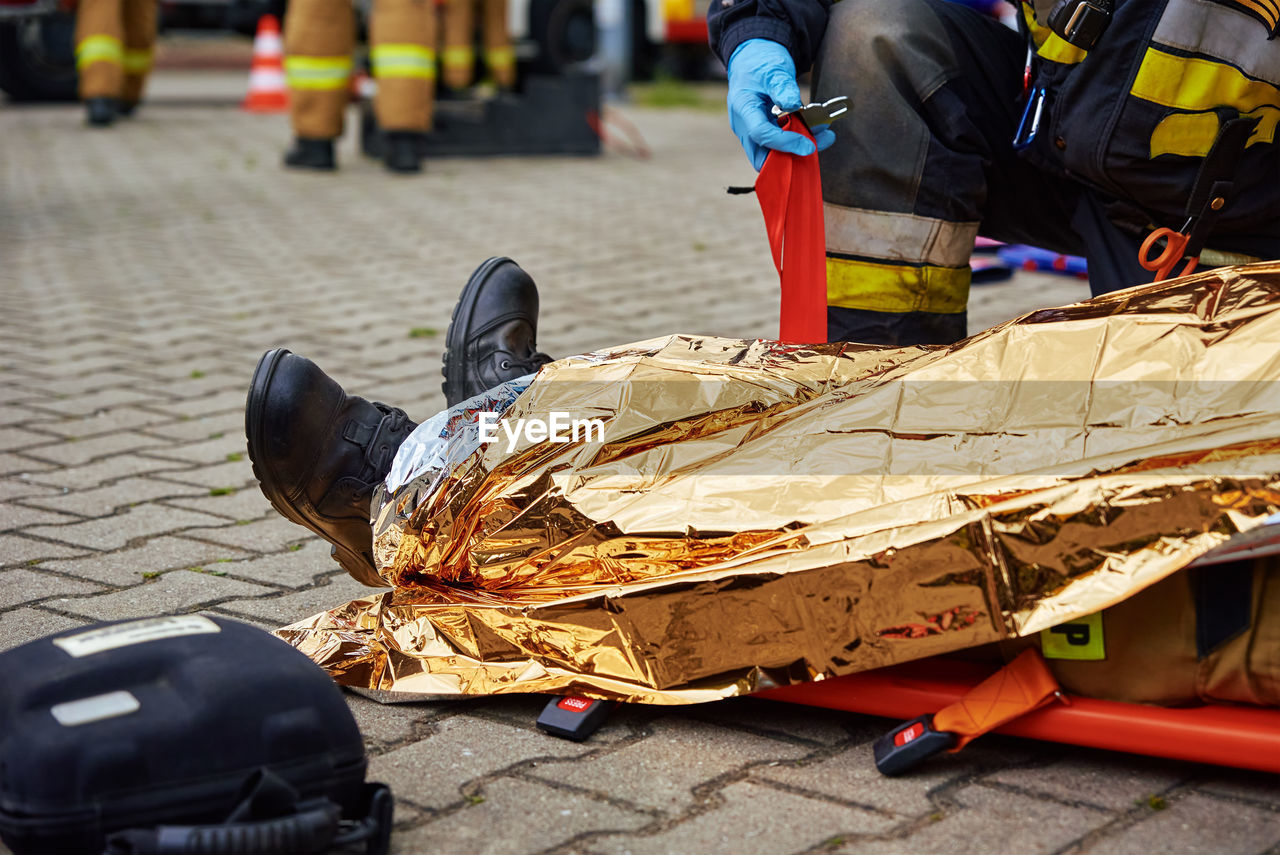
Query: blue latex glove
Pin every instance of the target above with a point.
(761, 74)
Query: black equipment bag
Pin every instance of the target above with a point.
(185, 734)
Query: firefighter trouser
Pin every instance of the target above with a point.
(925, 162)
(319, 38)
(114, 41)
(459, 58)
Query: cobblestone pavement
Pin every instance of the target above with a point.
(145, 269)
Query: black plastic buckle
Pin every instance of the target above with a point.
(572, 717)
(1080, 22)
(910, 744)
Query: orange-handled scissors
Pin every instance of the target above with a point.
(1175, 248)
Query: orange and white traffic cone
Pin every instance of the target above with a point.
(267, 90)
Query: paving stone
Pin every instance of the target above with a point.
(108, 421)
(209, 450)
(1097, 779)
(55, 383)
(227, 474)
(291, 568)
(17, 488)
(989, 820)
(268, 534)
(1197, 825)
(115, 531)
(175, 592)
(291, 608)
(22, 550)
(851, 776)
(120, 494)
(458, 751)
(13, 464)
(516, 817)
(1259, 787)
(13, 415)
(24, 586)
(749, 817)
(27, 624)
(388, 724)
(125, 567)
(13, 515)
(811, 724)
(217, 402)
(77, 452)
(201, 427)
(100, 472)
(246, 503)
(92, 402)
(16, 439)
(661, 771)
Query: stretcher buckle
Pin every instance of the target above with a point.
(910, 744)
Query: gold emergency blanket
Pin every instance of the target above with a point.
(759, 514)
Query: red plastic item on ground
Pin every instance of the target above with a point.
(1243, 737)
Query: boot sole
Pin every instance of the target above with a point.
(455, 340)
(359, 567)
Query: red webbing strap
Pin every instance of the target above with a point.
(1016, 689)
(790, 193)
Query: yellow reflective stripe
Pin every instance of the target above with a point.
(317, 72)
(99, 49)
(1049, 45)
(500, 57)
(403, 60)
(896, 287)
(1193, 134)
(137, 61)
(459, 57)
(1186, 83)
(1188, 134)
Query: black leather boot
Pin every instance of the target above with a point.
(99, 112)
(311, 153)
(126, 109)
(493, 335)
(318, 453)
(403, 151)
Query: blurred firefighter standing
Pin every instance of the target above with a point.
(459, 56)
(319, 38)
(114, 42)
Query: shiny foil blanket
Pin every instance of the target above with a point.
(758, 514)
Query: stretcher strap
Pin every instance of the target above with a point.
(1016, 689)
(790, 192)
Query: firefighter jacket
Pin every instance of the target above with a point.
(1135, 113)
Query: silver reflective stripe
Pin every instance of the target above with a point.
(898, 237)
(1219, 31)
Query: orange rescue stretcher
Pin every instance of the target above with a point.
(1238, 736)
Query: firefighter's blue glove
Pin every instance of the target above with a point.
(761, 74)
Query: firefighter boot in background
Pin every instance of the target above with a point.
(114, 42)
(318, 38)
(499, 56)
(458, 58)
(402, 39)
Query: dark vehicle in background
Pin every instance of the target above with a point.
(37, 39)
